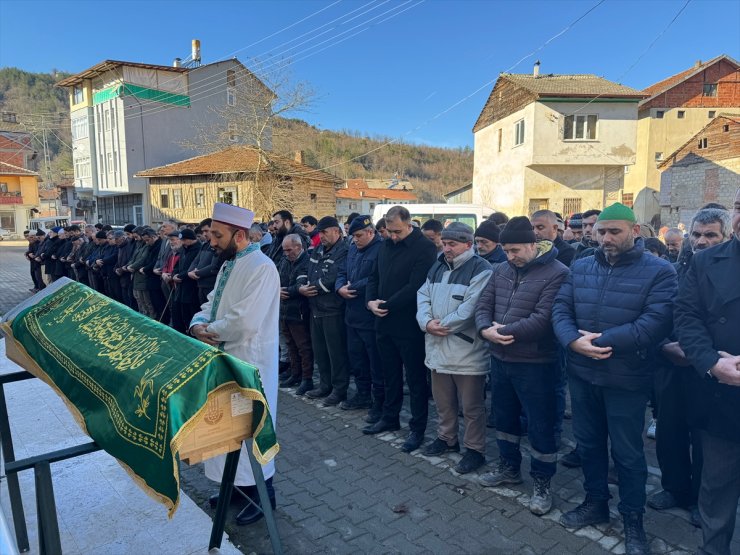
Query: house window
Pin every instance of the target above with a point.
(10, 117)
(82, 167)
(372, 206)
(7, 221)
(353, 206)
(3, 187)
(77, 95)
(115, 161)
(681, 114)
(726, 128)
(108, 123)
(577, 128)
(703, 143)
(101, 168)
(571, 205)
(232, 132)
(659, 114)
(537, 204)
(519, 132)
(500, 138)
(79, 128)
(628, 199)
(230, 78)
(164, 198)
(177, 198)
(710, 89)
(109, 163)
(231, 97)
(658, 156)
(200, 198)
(227, 195)
(313, 197)
(711, 114)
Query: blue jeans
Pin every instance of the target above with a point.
(601, 413)
(364, 362)
(531, 387)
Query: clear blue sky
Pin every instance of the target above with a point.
(412, 61)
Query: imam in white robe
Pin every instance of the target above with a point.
(244, 310)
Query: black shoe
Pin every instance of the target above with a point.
(357, 402)
(318, 393)
(635, 541)
(664, 500)
(587, 513)
(306, 386)
(694, 516)
(381, 426)
(440, 446)
(333, 399)
(413, 442)
(571, 460)
(290, 381)
(373, 416)
(235, 495)
(253, 511)
(471, 461)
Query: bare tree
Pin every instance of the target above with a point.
(256, 99)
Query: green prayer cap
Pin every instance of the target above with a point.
(617, 211)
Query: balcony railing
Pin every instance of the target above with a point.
(13, 197)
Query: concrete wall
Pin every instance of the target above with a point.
(498, 176)
(693, 186)
(615, 134)
(557, 183)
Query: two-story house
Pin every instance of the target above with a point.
(675, 110)
(557, 142)
(19, 191)
(127, 117)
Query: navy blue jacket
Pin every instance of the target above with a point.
(356, 270)
(496, 256)
(629, 303)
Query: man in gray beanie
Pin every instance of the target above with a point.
(455, 353)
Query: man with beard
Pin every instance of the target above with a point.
(282, 224)
(610, 313)
(586, 243)
(678, 444)
(707, 320)
(206, 264)
(241, 317)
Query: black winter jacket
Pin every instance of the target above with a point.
(295, 308)
(629, 303)
(399, 272)
(521, 299)
(356, 270)
(323, 267)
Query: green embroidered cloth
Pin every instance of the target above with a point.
(135, 382)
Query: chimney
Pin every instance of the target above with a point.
(299, 157)
(536, 71)
(177, 62)
(195, 50)
(698, 63)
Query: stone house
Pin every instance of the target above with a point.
(704, 169)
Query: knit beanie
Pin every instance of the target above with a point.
(576, 221)
(458, 231)
(617, 211)
(518, 230)
(488, 230)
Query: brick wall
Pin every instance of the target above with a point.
(689, 93)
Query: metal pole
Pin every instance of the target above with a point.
(259, 480)
(224, 499)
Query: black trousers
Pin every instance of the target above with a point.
(158, 303)
(38, 281)
(182, 313)
(329, 342)
(396, 355)
(127, 290)
(678, 444)
(719, 494)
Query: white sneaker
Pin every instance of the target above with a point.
(652, 427)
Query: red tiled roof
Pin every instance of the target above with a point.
(240, 159)
(673, 80)
(379, 194)
(10, 169)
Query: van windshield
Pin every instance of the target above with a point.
(447, 219)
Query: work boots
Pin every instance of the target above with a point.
(635, 540)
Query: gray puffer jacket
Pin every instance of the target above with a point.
(449, 295)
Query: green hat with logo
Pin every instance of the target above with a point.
(617, 211)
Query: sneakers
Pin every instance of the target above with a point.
(472, 460)
(439, 446)
(357, 401)
(504, 474)
(571, 460)
(652, 428)
(306, 386)
(541, 501)
(635, 540)
(587, 513)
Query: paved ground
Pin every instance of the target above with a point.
(339, 491)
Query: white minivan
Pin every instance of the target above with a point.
(470, 214)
